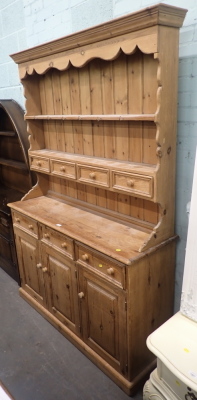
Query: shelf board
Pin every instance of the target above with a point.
(95, 117)
(13, 164)
(7, 133)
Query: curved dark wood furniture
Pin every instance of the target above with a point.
(15, 177)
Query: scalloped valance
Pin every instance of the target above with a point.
(106, 50)
(138, 30)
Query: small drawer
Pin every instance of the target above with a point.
(112, 271)
(60, 242)
(92, 175)
(132, 183)
(63, 169)
(39, 164)
(25, 223)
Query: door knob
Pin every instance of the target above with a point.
(110, 271)
(130, 182)
(92, 175)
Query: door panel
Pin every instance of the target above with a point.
(61, 287)
(104, 318)
(103, 324)
(29, 265)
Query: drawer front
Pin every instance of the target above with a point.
(39, 164)
(112, 271)
(63, 169)
(25, 223)
(132, 183)
(60, 242)
(95, 176)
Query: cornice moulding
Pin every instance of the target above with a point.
(160, 14)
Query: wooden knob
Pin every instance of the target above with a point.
(159, 152)
(39, 163)
(92, 175)
(81, 295)
(17, 219)
(31, 227)
(64, 245)
(63, 169)
(130, 182)
(47, 236)
(110, 271)
(85, 257)
(44, 269)
(39, 265)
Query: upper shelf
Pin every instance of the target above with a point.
(13, 164)
(7, 133)
(99, 117)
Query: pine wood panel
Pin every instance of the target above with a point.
(32, 94)
(28, 258)
(157, 275)
(61, 288)
(135, 142)
(45, 135)
(144, 210)
(98, 138)
(103, 316)
(58, 109)
(68, 138)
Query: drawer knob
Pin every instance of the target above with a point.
(39, 265)
(47, 236)
(39, 163)
(17, 219)
(31, 227)
(92, 175)
(81, 295)
(130, 182)
(64, 245)
(110, 271)
(63, 169)
(85, 257)
(44, 269)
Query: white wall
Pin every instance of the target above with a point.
(26, 23)
(12, 39)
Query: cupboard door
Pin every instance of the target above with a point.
(103, 310)
(61, 287)
(30, 267)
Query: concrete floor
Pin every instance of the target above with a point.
(38, 363)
